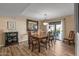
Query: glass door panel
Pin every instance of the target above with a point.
(58, 32)
(55, 28)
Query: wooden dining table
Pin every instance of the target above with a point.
(39, 38)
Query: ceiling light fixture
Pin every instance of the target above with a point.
(45, 23)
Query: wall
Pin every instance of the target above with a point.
(69, 24)
(20, 27)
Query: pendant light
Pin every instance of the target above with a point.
(45, 23)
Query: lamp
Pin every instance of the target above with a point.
(45, 23)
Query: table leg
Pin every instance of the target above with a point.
(29, 43)
(38, 45)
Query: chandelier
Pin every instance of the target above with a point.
(45, 23)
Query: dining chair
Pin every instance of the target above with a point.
(34, 44)
(51, 38)
(29, 38)
(31, 41)
(70, 38)
(48, 34)
(44, 43)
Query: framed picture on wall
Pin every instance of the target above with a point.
(11, 25)
(32, 25)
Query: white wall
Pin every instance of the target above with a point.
(69, 24)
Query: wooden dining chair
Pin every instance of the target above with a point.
(70, 38)
(31, 42)
(34, 44)
(50, 38)
(44, 43)
(48, 34)
(29, 38)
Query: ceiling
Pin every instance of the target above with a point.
(37, 10)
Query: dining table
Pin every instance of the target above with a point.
(39, 38)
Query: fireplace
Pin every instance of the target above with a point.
(11, 38)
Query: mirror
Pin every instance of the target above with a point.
(32, 25)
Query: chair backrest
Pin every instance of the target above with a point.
(72, 35)
(29, 33)
(49, 35)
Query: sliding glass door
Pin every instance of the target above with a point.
(56, 29)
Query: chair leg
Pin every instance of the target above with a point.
(49, 44)
(73, 42)
(64, 40)
(46, 46)
(29, 44)
(32, 46)
(69, 42)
